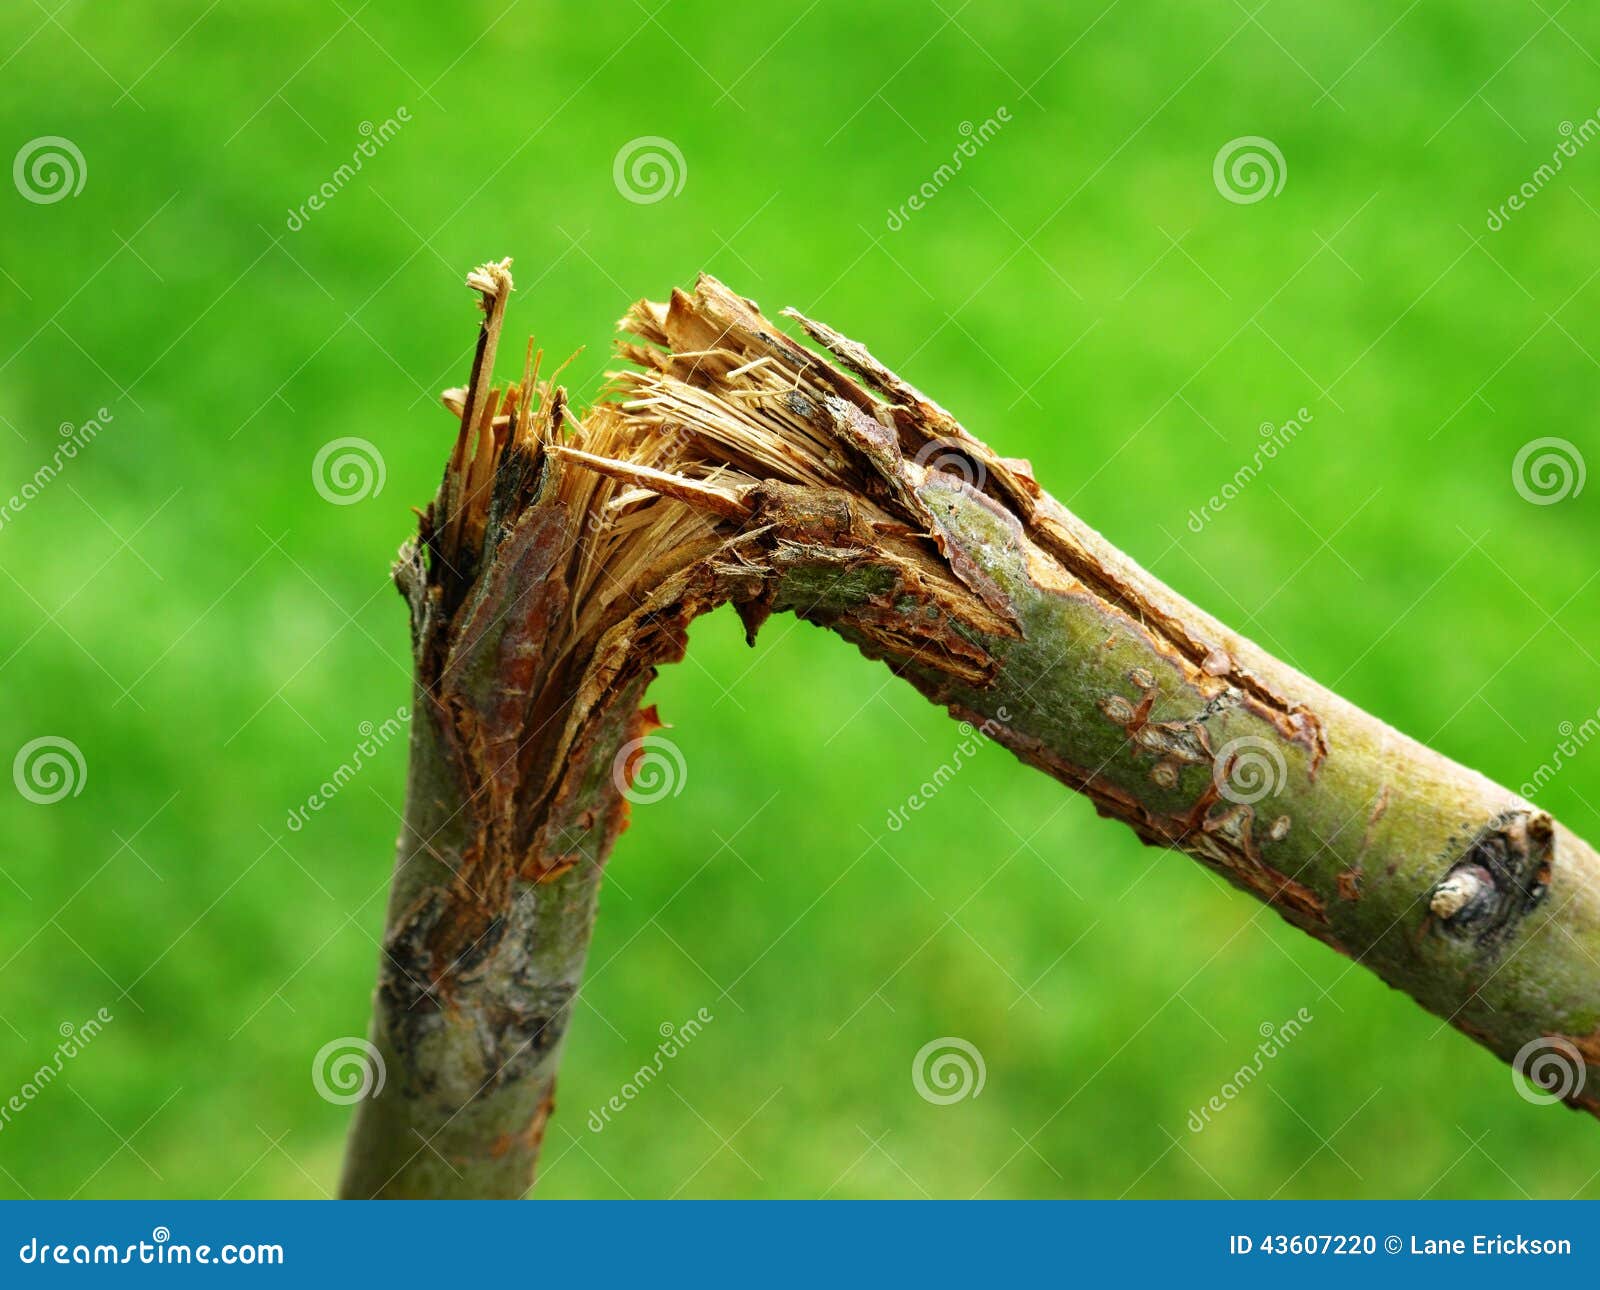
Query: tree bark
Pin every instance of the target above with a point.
(553, 575)
(513, 801)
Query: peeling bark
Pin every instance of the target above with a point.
(553, 574)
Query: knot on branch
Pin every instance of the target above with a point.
(1496, 879)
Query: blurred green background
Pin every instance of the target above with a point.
(182, 605)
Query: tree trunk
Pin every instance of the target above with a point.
(551, 577)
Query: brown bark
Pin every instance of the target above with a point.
(734, 464)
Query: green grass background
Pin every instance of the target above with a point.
(183, 605)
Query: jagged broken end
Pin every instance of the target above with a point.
(728, 464)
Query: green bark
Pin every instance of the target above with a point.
(863, 507)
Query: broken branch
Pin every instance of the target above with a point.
(733, 464)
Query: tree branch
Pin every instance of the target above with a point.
(552, 577)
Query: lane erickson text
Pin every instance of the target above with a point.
(1478, 1244)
